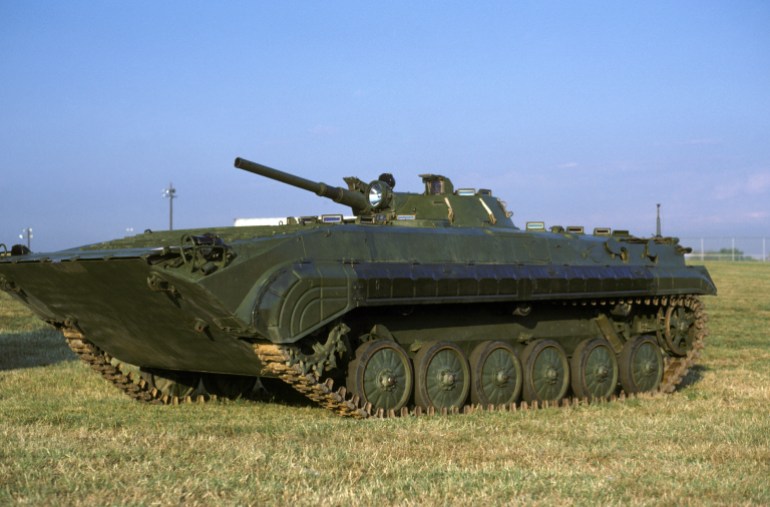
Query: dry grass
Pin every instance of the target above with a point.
(68, 437)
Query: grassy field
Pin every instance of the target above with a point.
(67, 437)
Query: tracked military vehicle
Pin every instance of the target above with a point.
(417, 302)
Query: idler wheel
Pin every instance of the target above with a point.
(381, 374)
(594, 369)
(443, 377)
(496, 374)
(546, 371)
(641, 365)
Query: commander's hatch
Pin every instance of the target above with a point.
(435, 184)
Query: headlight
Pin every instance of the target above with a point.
(376, 194)
(380, 195)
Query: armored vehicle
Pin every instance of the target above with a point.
(417, 302)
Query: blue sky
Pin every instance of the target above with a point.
(576, 113)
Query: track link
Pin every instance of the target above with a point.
(278, 361)
(676, 368)
(113, 371)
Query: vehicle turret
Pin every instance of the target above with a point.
(377, 202)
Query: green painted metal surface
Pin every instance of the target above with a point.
(444, 265)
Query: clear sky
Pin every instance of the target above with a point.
(576, 113)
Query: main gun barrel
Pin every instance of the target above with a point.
(355, 200)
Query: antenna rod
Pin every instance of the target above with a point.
(657, 232)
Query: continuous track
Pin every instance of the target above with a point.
(277, 360)
(118, 373)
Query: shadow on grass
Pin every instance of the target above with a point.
(278, 391)
(33, 348)
(44, 347)
(693, 376)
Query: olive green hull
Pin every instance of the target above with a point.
(111, 302)
(156, 305)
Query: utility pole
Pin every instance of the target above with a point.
(27, 233)
(170, 194)
(657, 229)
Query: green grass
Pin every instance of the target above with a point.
(67, 437)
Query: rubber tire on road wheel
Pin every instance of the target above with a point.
(594, 369)
(641, 365)
(496, 376)
(546, 371)
(381, 374)
(442, 376)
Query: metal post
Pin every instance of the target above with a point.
(27, 233)
(170, 193)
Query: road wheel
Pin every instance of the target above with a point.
(443, 377)
(641, 365)
(594, 369)
(546, 371)
(381, 374)
(495, 373)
